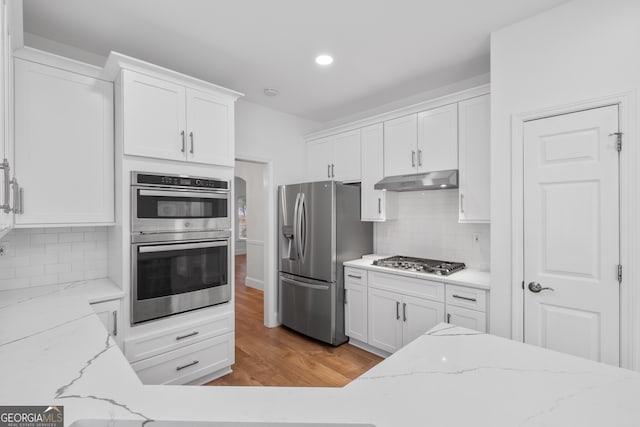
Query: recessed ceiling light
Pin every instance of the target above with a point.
(324, 59)
(271, 91)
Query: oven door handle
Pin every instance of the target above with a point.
(181, 246)
(178, 193)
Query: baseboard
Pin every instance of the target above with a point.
(366, 347)
(254, 283)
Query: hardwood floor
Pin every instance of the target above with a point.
(281, 357)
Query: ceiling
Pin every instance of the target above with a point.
(384, 50)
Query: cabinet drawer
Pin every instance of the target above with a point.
(188, 363)
(355, 276)
(461, 296)
(170, 339)
(420, 288)
(470, 319)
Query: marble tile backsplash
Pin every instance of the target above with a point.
(48, 256)
(427, 227)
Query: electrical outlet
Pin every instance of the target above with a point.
(476, 238)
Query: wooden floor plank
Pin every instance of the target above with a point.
(281, 357)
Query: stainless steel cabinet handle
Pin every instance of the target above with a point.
(192, 334)
(195, 362)
(404, 311)
(7, 186)
(397, 310)
(328, 171)
(191, 137)
(333, 175)
(448, 317)
(379, 205)
(184, 141)
(21, 197)
(464, 298)
(413, 158)
(354, 276)
(461, 203)
(419, 157)
(115, 323)
(16, 195)
(536, 287)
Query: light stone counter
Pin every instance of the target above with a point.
(54, 350)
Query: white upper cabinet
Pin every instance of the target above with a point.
(210, 128)
(6, 96)
(376, 205)
(400, 145)
(170, 116)
(64, 151)
(438, 139)
(154, 117)
(336, 157)
(475, 146)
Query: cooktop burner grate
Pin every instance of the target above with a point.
(443, 268)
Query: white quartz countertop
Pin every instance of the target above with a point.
(468, 277)
(54, 350)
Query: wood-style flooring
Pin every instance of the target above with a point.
(281, 357)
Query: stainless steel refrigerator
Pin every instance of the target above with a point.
(319, 229)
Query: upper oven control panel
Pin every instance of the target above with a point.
(179, 181)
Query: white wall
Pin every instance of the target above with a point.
(578, 51)
(428, 228)
(277, 139)
(48, 256)
(256, 191)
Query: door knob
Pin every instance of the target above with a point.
(536, 287)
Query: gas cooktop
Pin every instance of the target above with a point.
(421, 265)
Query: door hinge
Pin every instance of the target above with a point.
(620, 273)
(618, 140)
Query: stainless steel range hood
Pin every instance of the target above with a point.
(438, 180)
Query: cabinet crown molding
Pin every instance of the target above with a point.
(117, 61)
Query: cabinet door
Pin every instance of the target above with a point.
(376, 205)
(109, 314)
(356, 312)
(154, 117)
(419, 315)
(210, 127)
(319, 158)
(400, 145)
(438, 139)
(385, 326)
(466, 318)
(63, 146)
(475, 150)
(6, 218)
(346, 157)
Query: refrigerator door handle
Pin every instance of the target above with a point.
(304, 284)
(303, 227)
(296, 235)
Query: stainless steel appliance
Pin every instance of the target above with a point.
(319, 228)
(174, 273)
(435, 180)
(443, 268)
(176, 203)
(180, 244)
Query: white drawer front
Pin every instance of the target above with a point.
(170, 339)
(420, 288)
(188, 363)
(461, 296)
(355, 276)
(470, 319)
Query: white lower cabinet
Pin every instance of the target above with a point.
(419, 315)
(355, 304)
(188, 364)
(109, 314)
(466, 318)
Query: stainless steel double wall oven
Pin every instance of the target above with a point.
(180, 244)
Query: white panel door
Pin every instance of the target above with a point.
(209, 125)
(474, 129)
(438, 139)
(571, 234)
(418, 316)
(372, 161)
(64, 156)
(400, 145)
(319, 159)
(355, 317)
(470, 319)
(385, 326)
(154, 117)
(346, 157)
